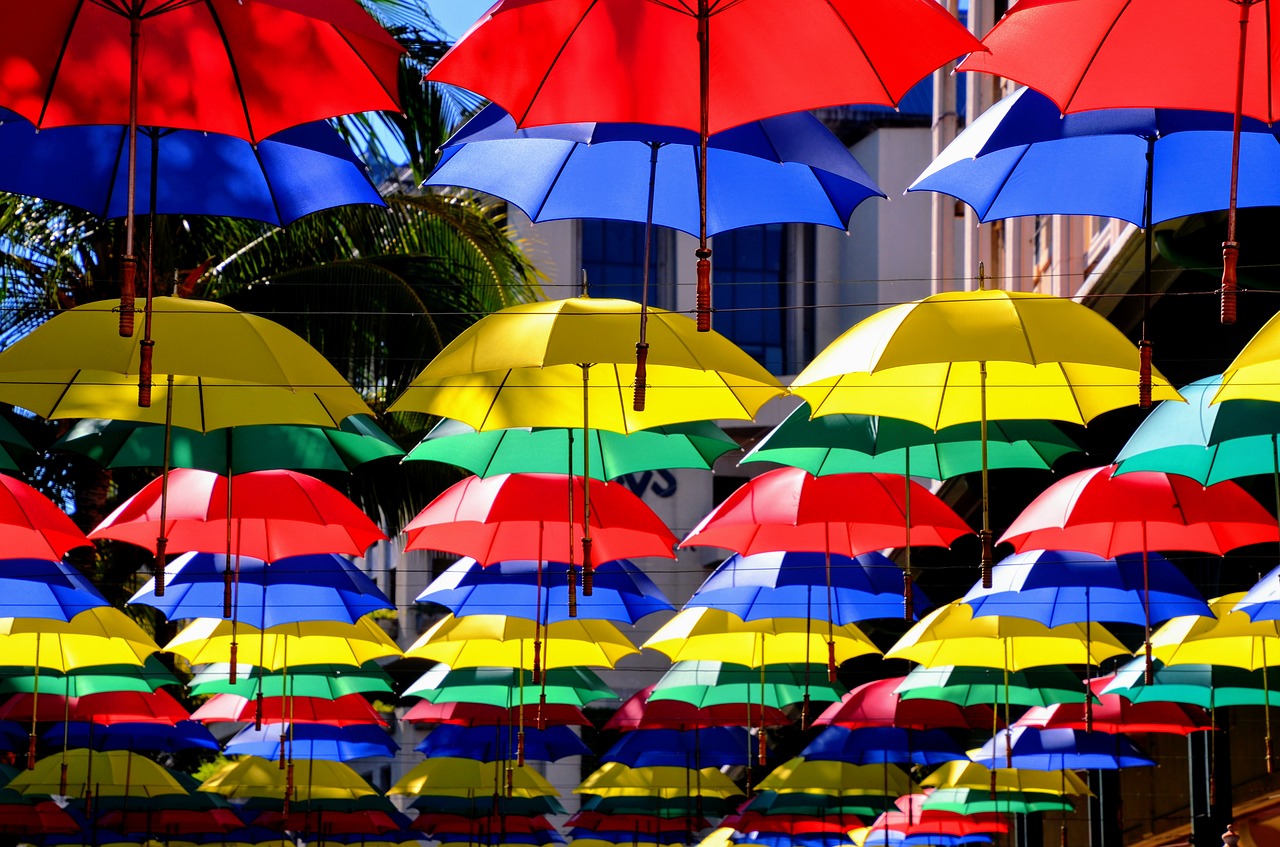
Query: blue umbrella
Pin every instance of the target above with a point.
(1060, 586)
(299, 588)
(293, 173)
(137, 736)
(1262, 602)
(788, 584)
(35, 588)
(622, 592)
(314, 741)
(493, 743)
(13, 737)
(788, 168)
(880, 745)
(696, 748)
(1059, 749)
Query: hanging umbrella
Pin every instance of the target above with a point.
(207, 640)
(315, 779)
(506, 687)
(693, 748)
(137, 737)
(108, 773)
(964, 356)
(707, 683)
(494, 743)
(1209, 686)
(484, 640)
(92, 679)
(31, 526)
(976, 776)
(1260, 601)
(621, 62)
(42, 588)
(468, 778)
(348, 710)
(972, 800)
(14, 446)
(638, 713)
(1116, 714)
(802, 776)
(1060, 749)
(614, 779)
(793, 584)
(490, 824)
(911, 818)
(707, 634)
(233, 449)
(876, 704)
(326, 680)
(99, 636)
(820, 803)
(881, 745)
(968, 685)
(1251, 372)
(322, 586)
(313, 741)
(108, 707)
(621, 593)
(546, 449)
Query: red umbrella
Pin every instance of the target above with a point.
(43, 818)
(876, 704)
(1101, 54)
(1113, 713)
(31, 526)
(433, 822)
(484, 714)
(1095, 512)
(698, 64)
(107, 707)
(226, 66)
(329, 821)
(643, 824)
(348, 710)
(637, 712)
(171, 821)
(749, 821)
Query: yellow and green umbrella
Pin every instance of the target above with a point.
(210, 640)
(508, 641)
(450, 776)
(614, 779)
(707, 634)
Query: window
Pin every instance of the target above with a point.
(749, 272)
(613, 258)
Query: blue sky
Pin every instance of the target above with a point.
(456, 15)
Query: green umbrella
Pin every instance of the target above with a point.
(708, 683)
(238, 449)
(506, 687)
(670, 807)
(328, 682)
(1207, 686)
(774, 803)
(968, 686)
(972, 801)
(872, 444)
(13, 446)
(546, 450)
(98, 679)
(1208, 442)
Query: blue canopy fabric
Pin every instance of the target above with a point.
(36, 588)
(301, 170)
(1262, 601)
(1059, 749)
(695, 748)
(130, 735)
(879, 745)
(494, 743)
(783, 169)
(314, 741)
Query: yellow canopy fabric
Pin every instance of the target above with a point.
(961, 774)
(1229, 638)
(99, 636)
(1046, 358)
(709, 634)
(208, 640)
(951, 635)
(313, 779)
(841, 779)
(614, 779)
(454, 777)
(522, 367)
(720, 837)
(1254, 374)
(114, 773)
(230, 368)
(480, 640)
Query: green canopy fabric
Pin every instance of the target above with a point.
(969, 686)
(328, 682)
(1207, 686)
(98, 679)
(972, 801)
(709, 683)
(506, 687)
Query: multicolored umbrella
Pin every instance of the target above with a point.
(1114, 713)
(1209, 686)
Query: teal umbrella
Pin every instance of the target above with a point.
(325, 681)
(547, 450)
(237, 449)
(97, 679)
(968, 686)
(1207, 686)
(576, 686)
(972, 801)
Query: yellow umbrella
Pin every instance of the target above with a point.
(614, 779)
(962, 774)
(1254, 374)
(709, 634)
(99, 636)
(951, 635)
(798, 776)
(719, 837)
(963, 356)
(229, 368)
(314, 779)
(208, 641)
(503, 640)
(110, 773)
(455, 777)
(571, 363)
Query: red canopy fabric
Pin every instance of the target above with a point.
(484, 714)
(637, 712)
(876, 704)
(342, 711)
(107, 707)
(31, 526)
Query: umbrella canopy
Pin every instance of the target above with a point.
(784, 169)
(1059, 749)
(1262, 601)
(1061, 586)
(113, 773)
(313, 741)
(42, 588)
(819, 803)
(348, 710)
(696, 444)
(854, 443)
(695, 748)
(951, 635)
(523, 366)
(138, 737)
(290, 590)
(794, 584)
(312, 779)
(31, 526)
(328, 680)
(483, 714)
(969, 800)
(638, 713)
(108, 708)
(14, 446)
(494, 743)
(879, 745)
(820, 777)
(708, 634)
(708, 683)
(207, 640)
(1227, 638)
(268, 515)
(1204, 685)
(525, 516)
(877, 704)
(967, 685)
(230, 368)
(507, 687)
(99, 636)
(485, 640)
(974, 775)
(621, 592)
(1114, 713)
(296, 171)
(1254, 367)
(469, 778)
(614, 779)
(234, 449)
(848, 514)
(93, 679)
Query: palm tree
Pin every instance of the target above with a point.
(377, 291)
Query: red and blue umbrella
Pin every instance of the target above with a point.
(1059, 749)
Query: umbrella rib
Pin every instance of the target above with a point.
(57, 65)
(235, 70)
(271, 192)
(554, 60)
(536, 214)
(862, 51)
(115, 172)
(393, 95)
(62, 394)
(1093, 57)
